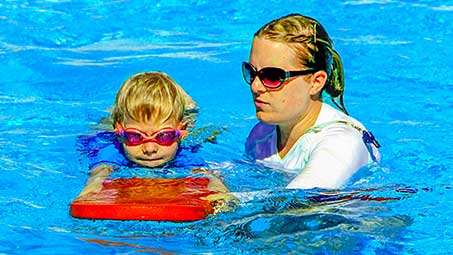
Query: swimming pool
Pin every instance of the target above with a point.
(63, 61)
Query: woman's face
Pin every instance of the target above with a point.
(289, 103)
(150, 154)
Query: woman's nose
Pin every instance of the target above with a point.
(257, 86)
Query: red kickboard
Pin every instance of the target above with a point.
(156, 199)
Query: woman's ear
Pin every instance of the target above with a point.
(318, 80)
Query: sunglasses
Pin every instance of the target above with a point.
(164, 137)
(271, 77)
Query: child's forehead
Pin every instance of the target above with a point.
(150, 126)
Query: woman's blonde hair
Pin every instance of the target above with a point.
(149, 96)
(313, 46)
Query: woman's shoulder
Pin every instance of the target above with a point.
(330, 115)
(333, 127)
(345, 133)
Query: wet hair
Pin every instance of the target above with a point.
(148, 96)
(313, 47)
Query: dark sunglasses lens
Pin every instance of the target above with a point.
(132, 138)
(166, 137)
(271, 77)
(248, 72)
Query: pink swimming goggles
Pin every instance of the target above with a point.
(135, 137)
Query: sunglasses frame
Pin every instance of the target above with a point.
(261, 74)
(120, 131)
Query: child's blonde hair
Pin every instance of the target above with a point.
(148, 96)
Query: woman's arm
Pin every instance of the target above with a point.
(333, 161)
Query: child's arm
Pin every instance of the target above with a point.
(97, 177)
(223, 200)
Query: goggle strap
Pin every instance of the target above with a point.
(182, 133)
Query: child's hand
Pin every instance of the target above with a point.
(223, 202)
(215, 182)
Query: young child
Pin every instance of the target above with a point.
(149, 121)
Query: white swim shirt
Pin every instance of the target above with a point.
(326, 156)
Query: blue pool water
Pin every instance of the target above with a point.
(61, 63)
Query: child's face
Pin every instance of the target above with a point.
(151, 154)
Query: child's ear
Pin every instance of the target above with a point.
(188, 121)
(183, 125)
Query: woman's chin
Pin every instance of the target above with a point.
(266, 117)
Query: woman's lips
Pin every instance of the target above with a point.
(259, 103)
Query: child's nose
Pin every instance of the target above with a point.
(150, 148)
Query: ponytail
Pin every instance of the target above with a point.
(335, 85)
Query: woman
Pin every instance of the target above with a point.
(292, 61)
